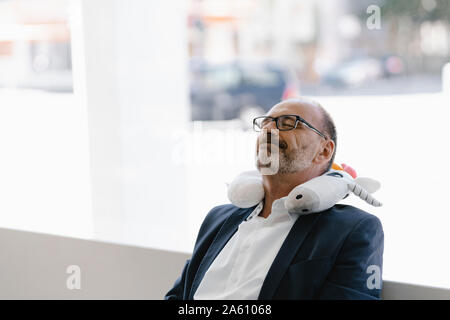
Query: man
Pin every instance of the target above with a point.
(265, 252)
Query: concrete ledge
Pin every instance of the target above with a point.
(34, 266)
(404, 291)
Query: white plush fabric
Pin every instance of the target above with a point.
(315, 195)
(246, 190)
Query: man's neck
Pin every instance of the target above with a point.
(280, 185)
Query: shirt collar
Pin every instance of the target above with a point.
(277, 206)
(257, 210)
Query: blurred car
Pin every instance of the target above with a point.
(238, 90)
(354, 72)
(392, 65)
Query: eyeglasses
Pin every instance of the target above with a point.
(283, 123)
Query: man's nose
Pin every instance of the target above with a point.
(268, 133)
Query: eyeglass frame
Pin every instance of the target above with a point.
(297, 120)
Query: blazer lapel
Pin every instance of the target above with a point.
(290, 247)
(227, 230)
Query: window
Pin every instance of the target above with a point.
(381, 79)
(44, 162)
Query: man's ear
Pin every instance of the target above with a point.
(325, 152)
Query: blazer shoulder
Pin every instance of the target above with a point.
(220, 213)
(350, 216)
(212, 224)
(217, 216)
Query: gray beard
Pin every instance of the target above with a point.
(298, 162)
(291, 163)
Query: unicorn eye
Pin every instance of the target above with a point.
(335, 174)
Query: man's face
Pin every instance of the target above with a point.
(297, 147)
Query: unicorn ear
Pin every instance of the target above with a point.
(370, 185)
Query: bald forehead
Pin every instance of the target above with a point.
(309, 110)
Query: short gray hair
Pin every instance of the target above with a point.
(330, 130)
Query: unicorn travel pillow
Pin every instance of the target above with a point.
(315, 195)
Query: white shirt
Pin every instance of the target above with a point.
(238, 272)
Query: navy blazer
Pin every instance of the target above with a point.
(326, 255)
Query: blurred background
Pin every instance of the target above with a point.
(124, 120)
